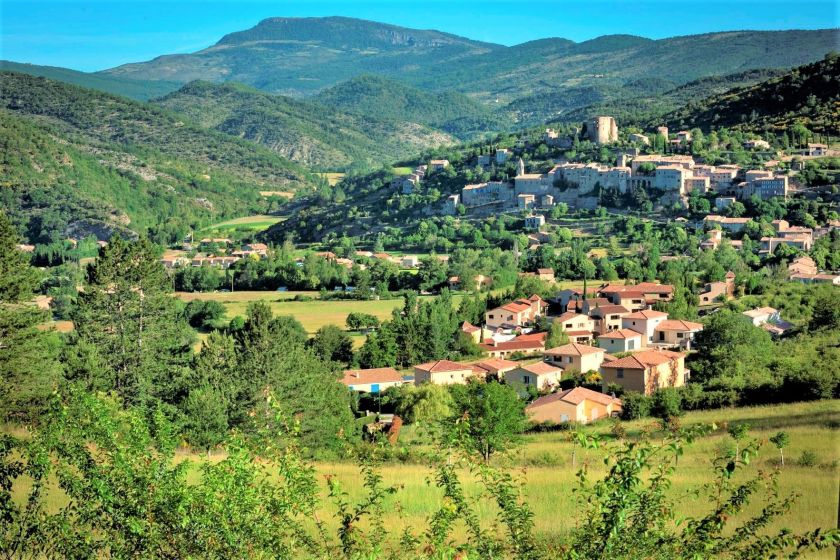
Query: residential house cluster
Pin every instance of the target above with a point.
(405, 184)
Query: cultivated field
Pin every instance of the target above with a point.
(257, 222)
(312, 314)
(332, 178)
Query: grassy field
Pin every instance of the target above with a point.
(543, 461)
(257, 222)
(312, 314)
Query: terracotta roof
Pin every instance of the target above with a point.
(468, 327)
(646, 314)
(643, 360)
(513, 345)
(608, 310)
(515, 307)
(545, 271)
(653, 287)
(374, 375)
(621, 334)
(579, 333)
(493, 365)
(533, 337)
(574, 349)
(540, 368)
(441, 365)
(575, 396)
(678, 325)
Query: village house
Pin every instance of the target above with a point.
(534, 221)
(450, 205)
(639, 139)
(526, 202)
(438, 165)
(480, 282)
(442, 372)
(486, 193)
(817, 150)
(724, 202)
(503, 155)
(714, 237)
(579, 405)
(761, 315)
(802, 265)
(621, 340)
(539, 375)
(372, 380)
(578, 327)
(833, 279)
(732, 225)
(755, 144)
(574, 357)
(717, 291)
(646, 371)
(644, 322)
(515, 314)
(545, 274)
(606, 318)
(676, 333)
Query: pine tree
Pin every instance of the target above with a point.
(128, 318)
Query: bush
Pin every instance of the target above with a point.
(807, 459)
(666, 403)
(635, 405)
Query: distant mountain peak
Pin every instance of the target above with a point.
(344, 32)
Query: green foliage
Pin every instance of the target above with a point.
(454, 113)
(330, 343)
(556, 335)
(494, 414)
(84, 161)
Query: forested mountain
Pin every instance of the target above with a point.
(302, 56)
(807, 95)
(454, 113)
(303, 131)
(298, 56)
(141, 90)
(71, 155)
(646, 101)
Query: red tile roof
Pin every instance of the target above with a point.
(374, 375)
(621, 334)
(643, 360)
(647, 314)
(678, 325)
(574, 396)
(574, 349)
(541, 368)
(493, 365)
(441, 365)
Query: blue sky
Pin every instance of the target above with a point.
(99, 34)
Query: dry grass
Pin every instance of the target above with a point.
(332, 178)
(257, 222)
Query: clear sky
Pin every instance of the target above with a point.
(98, 34)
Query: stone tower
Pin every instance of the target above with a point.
(601, 130)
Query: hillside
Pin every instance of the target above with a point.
(551, 76)
(809, 95)
(299, 56)
(125, 163)
(647, 101)
(454, 113)
(302, 131)
(141, 90)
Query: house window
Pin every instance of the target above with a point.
(680, 335)
(631, 344)
(619, 373)
(569, 358)
(491, 316)
(661, 335)
(526, 379)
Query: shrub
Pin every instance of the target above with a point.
(635, 405)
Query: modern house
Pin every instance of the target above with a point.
(493, 366)
(644, 322)
(372, 380)
(676, 333)
(573, 405)
(539, 375)
(442, 372)
(621, 340)
(576, 357)
(646, 371)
